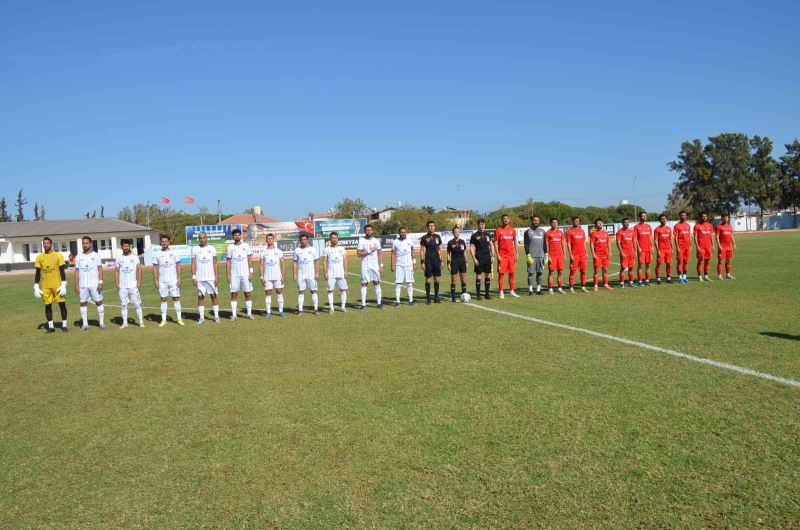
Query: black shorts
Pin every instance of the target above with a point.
(433, 267)
(458, 266)
(484, 265)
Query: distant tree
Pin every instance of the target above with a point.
(729, 156)
(348, 208)
(21, 202)
(94, 214)
(42, 213)
(36, 211)
(789, 167)
(762, 188)
(102, 211)
(88, 216)
(203, 212)
(676, 203)
(4, 211)
(430, 209)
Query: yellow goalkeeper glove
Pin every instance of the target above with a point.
(530, 260)
(546, 259)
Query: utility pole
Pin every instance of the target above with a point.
(147, 213)
(219, 212)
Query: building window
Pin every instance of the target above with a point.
(102, 244)
(35, 248)
(64, 247)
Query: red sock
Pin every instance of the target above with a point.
(560, 282)
(647, 274)
(699, 267)
(728, 267)
(511, 282)
(669, 270)
(639, 275)
(719, 267)
(571, 278)
(658, 270)
(595, 280)
(707, 266)
(583, 278)
(630, 277)
(500, 276)
(605, 279)
(549, 283)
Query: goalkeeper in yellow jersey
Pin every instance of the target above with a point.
(51, 283)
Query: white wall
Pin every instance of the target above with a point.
(108, 246)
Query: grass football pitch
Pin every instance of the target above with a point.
(436, 416)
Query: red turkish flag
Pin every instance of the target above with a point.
(188, 200)
(164, 200)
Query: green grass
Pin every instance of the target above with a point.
(441, 416)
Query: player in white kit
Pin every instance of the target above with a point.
(167, 279)
(336, 270)
(273, 271)
(89, 282)
(369, 250)
(240, 274)
(403, 266)
(205, 277)
(305, 267)
(128, 281)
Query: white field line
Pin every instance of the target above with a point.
(643, 345)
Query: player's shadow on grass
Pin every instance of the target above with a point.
(779, 335)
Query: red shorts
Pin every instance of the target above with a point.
(577, 263)
(725, 253)
(602, 262)
(683, 254)
(557, 263)
(665, 256)
(704, 253)
(507, 264)
(627, 261)
(645, 256)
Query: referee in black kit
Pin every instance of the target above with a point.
(480, 246)
(431, 259)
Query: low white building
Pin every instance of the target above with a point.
(20, 243)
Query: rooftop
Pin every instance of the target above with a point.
(100, 225)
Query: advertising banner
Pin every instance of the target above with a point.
(281, 230)
(345, 227)
(219, 236)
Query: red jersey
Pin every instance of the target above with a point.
(725, 235)
(599, 241)
(506, 238)
(625, 239)
(576, 239)
(644, 236)
(683, 234)
(555, 242)
(663, 237)
(703, 232)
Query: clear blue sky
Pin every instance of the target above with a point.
(105, 103)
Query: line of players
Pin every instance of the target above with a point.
(545, 250)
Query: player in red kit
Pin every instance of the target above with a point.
(683, 244)
(625, 245)
(704, 243)
(726, 244)
(576, 245)
(555, 249)
(599, 242)
(505, 241)
(663, 237)
(644, 248)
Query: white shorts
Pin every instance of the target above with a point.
(273, 284)
(333, 283)
(91, 293)
(169, 289)
(241, 282)
(205, 287)
(404, 274)
(370, 275)
(306, 283)
(129, 295)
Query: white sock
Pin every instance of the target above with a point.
(63, 323)
(50, 324)
(248, 304)
(343, 295)
(280, 303)
(177, 306)
(363, 295)
(410, 289)
(101, 314)
(234, 303)
(124, 311)
(315, 300)
(139, 316)
(301, 298)
(216, 310)
(397, 290)
(85, 315)
(163, 311)
(330, 298)
(268, 302)
(378, 293)
(202, 310)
